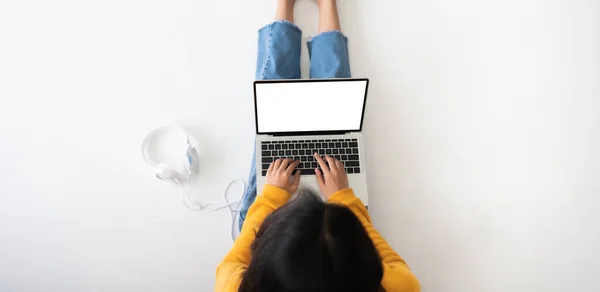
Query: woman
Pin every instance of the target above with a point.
(307, 244)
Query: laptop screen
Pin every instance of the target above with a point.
(309, 105)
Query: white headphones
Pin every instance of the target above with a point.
(190, 162)
(163, 171)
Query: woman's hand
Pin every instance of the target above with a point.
(280, 172)
(331, 178)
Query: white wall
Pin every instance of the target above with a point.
(483, 136)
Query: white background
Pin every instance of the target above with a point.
(302, 106)
(482, 134)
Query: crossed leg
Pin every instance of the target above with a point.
(279, 47)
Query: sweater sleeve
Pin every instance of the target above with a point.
(397, 277)
(235, 263)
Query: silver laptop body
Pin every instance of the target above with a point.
(295, 118)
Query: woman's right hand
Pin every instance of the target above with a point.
(332, 178)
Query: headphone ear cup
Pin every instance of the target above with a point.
(190, 160)
(165, 173)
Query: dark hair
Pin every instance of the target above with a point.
(309, 245)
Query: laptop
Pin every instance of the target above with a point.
(296, 118)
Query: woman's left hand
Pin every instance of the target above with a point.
(280, 174)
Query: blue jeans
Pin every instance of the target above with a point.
(279, 47)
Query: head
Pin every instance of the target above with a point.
(310, 245)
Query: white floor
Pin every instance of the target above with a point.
(482, 127)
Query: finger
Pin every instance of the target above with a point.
(295, 182)
(276, 164)
(322, 164)
(331, 162)
(270, 167)
(296, 179)
(339, 165)
(320, 178)
(291, 167)
(284, 164)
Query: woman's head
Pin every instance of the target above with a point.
(308, 245)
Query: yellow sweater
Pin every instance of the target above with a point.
(396, 275)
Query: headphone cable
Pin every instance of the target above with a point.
(234, 207)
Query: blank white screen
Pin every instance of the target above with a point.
(309, 106)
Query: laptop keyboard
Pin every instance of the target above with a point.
(345, 150)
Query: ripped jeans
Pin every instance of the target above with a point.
(279, 47)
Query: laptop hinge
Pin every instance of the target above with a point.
(316, 133)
